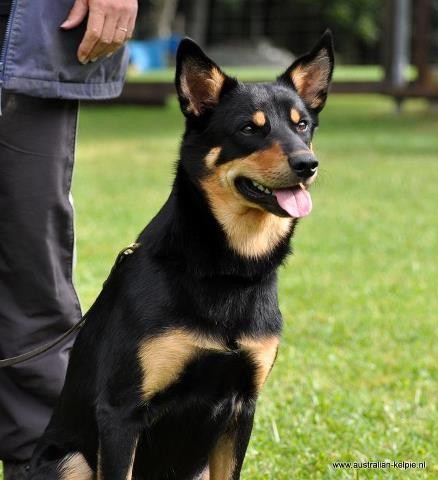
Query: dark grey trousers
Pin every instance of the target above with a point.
(37, 299)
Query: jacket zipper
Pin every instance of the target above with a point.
(4, 49)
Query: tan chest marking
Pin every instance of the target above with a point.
(164, 358)
(75, 467)
(263, 353)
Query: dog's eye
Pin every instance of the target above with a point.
(302, 126)
(249, 129)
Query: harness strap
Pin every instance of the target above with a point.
(9, 362)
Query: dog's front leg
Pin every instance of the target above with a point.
(226, 459)
(118, 437)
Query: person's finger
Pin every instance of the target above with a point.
(131, 25)
(120, 35)
(124, 32)
(77, 15)
(92, 35)
(126, 26)
(103, 46)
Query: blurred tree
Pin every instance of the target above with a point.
(356, 25)
(434, 46)
(198, 20)
(156, 18)
(292, 24)
(165, 11)
(355, 17)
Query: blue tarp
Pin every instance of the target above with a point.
(153, 54)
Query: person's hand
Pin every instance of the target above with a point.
(110, 24)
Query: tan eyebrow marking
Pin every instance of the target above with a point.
(259, 118)
(295, 115)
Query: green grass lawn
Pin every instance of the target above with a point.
(356, 377)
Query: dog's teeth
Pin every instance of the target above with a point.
(261, 187)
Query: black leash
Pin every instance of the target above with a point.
(9, 362)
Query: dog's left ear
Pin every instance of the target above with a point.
(199, 81)
(311, 74)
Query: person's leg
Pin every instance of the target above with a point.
(37, 299)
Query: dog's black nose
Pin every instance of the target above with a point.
(303, 165)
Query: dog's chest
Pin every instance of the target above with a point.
(195, 364)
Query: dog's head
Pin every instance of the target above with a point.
(249, 146)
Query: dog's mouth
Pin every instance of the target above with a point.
(294, 201)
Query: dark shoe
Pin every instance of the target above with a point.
(15, 471)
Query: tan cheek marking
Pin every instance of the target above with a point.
(212, 156)
(164, 358)
(263, 161)
(263, 352)
(251, 231)
(222, 461)
(259, 118)
(295, 115)
(75, 467)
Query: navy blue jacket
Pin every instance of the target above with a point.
(39, 59)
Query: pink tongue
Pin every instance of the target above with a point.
(296, 201)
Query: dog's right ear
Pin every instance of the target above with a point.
(199, 81)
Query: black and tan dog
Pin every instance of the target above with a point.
(164, 376)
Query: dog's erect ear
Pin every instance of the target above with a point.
(199, 81)
(310, 75)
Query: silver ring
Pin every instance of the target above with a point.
(123, 29)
